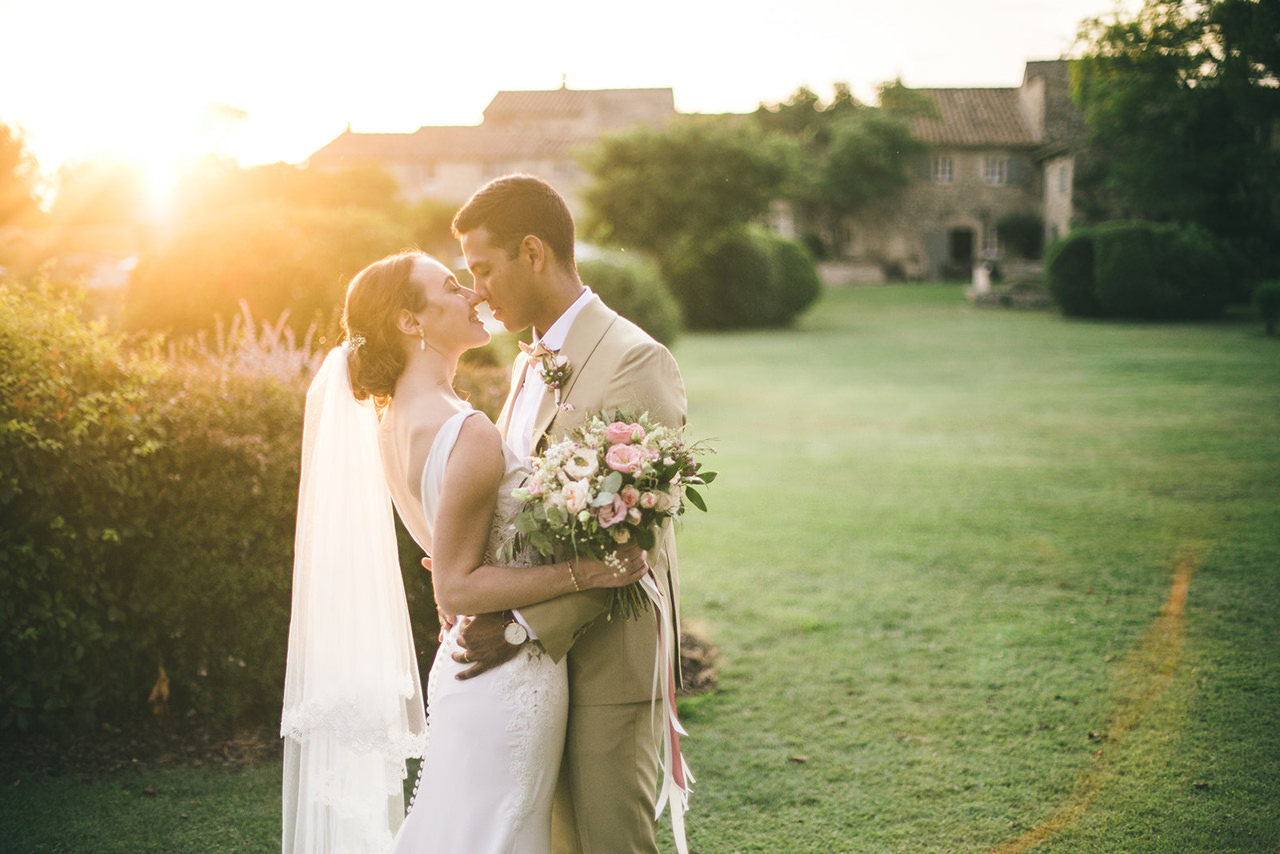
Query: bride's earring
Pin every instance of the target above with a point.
(422, 334)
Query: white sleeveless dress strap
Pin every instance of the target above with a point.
(438, 460)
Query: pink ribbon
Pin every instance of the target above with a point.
(676, 776)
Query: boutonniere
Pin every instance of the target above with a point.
(555, 371)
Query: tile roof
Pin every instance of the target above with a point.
(974, 117)
(449, 143)
(569, 102)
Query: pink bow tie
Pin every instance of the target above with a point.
(535, 351)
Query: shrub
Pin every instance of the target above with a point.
(742, 277)
(798, 280)
(147, 509)
(1266, 299)
(635, 290)
(1142, 270)
(1069, 266)
(1023, 233)
(1126, 271)
(78, 449)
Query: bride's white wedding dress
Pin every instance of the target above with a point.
(494, 741)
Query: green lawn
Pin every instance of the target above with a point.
(935, 568)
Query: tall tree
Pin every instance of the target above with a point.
(693, 178)
(852, 156)
(1183, 105)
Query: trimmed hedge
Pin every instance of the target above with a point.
(1069, 267)
(148, 507)
(635, 290)
(1142, 270)
(742, 277)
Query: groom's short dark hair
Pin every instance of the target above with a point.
(514, 206)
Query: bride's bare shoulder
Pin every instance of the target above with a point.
(479, 433)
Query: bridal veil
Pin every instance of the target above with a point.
(353, 705)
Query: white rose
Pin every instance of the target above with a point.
(576, 494)
(581, 463)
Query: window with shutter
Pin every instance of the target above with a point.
(942, 168)
(997, 170)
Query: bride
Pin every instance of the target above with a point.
(353, 703)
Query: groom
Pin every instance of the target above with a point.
(518, 238)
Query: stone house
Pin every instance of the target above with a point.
(531, 132)
(992, 154)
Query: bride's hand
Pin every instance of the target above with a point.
(625, 566)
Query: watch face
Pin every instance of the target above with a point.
(515, 634)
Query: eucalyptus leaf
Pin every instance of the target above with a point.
(612, 483)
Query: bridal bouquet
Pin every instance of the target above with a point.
(609, 482)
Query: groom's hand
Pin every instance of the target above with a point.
(483, 645)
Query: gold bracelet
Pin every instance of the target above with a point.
(573, 577)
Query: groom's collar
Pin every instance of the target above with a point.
(553, 338)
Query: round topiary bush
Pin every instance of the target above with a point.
(634, 289)
(741, 278)
(798, 280)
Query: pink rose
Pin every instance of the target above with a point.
(648, 499)
(630, 495)
(619, 433)
(662, 502)
(612, 514)
(624, 458)
(633, 516)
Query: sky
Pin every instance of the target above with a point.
(265, 80)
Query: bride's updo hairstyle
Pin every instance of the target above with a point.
(374, 298)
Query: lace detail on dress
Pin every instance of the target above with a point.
(529, 685)
(502, 532)
(351, 725)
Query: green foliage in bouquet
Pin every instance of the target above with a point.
(609, 483)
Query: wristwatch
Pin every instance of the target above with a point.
(514, 633)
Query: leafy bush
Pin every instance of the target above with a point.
(743, 277)
(1069, 266)
(147, 508)
(1022, 233)
(77, 442)
(635, 290)
(1142, 270)
(1126, 275)
(1266, 299)
(797, 278)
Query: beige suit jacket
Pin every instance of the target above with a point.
(616, 366)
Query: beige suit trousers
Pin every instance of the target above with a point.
(606, 791)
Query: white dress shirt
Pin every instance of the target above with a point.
(524, 411)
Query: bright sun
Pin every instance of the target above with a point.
(164, 145)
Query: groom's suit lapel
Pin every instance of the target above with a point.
(588, 329)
